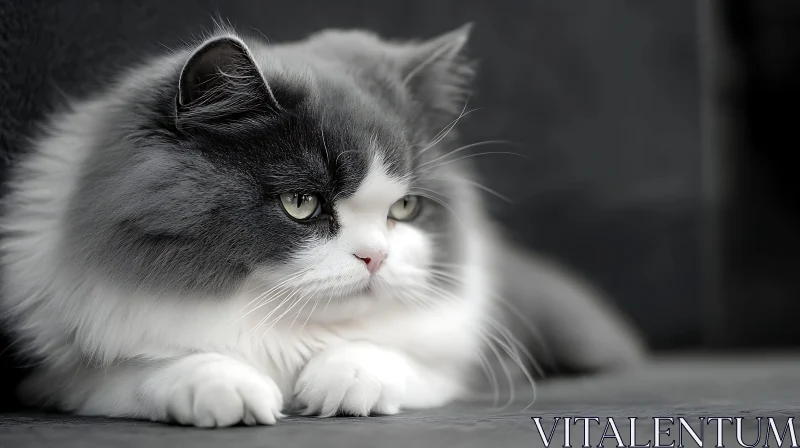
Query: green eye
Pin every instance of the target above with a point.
(405, 209)
(301, 206)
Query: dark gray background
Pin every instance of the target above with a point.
(604, 97)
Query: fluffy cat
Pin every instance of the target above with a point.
(237, 229)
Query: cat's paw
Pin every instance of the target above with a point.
(356, 379)
(225, 393)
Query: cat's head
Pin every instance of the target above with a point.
(316, 169)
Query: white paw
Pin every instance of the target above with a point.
(225, 393)
(354, 379)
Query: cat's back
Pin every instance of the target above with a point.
(40, 184)
(46, 174)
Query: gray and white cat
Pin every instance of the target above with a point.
(238, 228)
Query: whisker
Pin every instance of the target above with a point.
(261, 282)
(450, 125)
(322, 134)
(488, 370)
(330, 296)
(268, 300)
(445, 205)
(265, 319)
(537, 336)
(297, 314)
(503, 365)
(443, 133)
(473, 145)
(316, 302)
(512, 345)
(277, 319)
(475, 155)
(282, 282)
(264, 299)
(477, 185)
(512, 351)
(431, 191)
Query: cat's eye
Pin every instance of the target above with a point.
(405, 209)
(301, 206)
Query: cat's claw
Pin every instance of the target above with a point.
(220, 394)
(357, 379)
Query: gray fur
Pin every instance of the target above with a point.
(171, 192)
(181, 208)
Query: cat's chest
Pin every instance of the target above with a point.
(439, 334)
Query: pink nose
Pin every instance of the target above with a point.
(373, 259)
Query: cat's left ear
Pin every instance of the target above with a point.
(219, 79)
(437, 73)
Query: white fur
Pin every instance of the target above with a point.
(318, 332)
(219, 363)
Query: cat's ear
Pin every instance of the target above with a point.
(437, 73)
(221, 77)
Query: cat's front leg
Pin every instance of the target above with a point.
(361, 378)
(205, 390)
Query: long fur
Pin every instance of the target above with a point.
(150, 272)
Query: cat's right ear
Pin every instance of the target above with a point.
(438, 74)
(219, 79)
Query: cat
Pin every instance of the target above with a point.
(238, 230)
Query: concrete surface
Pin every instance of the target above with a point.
(688, 386)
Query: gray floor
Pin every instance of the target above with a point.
(692, 387)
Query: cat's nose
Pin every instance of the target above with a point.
(372, 258)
